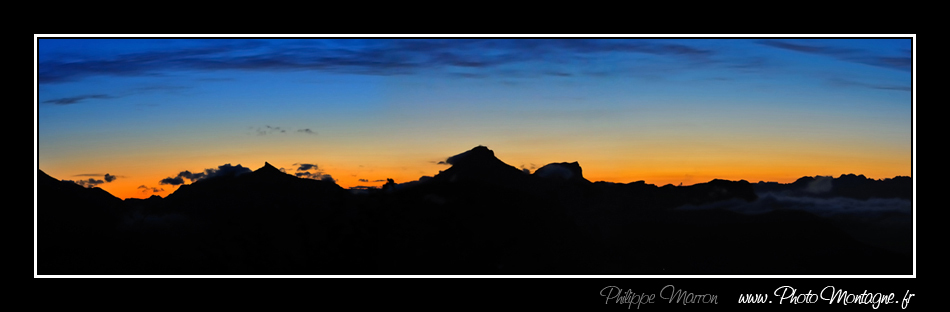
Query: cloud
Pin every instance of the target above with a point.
(319, 175)
(364, 187)
(903, 62)
(162, 88)
(77, 99)
(835, 207)
(821, 184)
(367, 180)
(223, 170)
(305, 167)
(126, 93)
(226, 170)
(107, 177)
(152, 189)
(93, 182)
(528, 169)
(852, 83)
(385, 57)
(806, 48)
(554, 170)
(131, 64)
(87, 183)
(304, 171)
(172, 181)
(267, 129)
(192, 176)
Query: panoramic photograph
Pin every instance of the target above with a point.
(430, 156)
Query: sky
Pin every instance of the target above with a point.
(139, 117)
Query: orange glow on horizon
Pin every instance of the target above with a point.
(129, 188)
(651, 164)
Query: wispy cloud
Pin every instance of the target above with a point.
(268, 129)
(902, 62)
(150, 189)
(78, 99)
(91, 182)
(88, 183)
(384, 57)
(367, 180)
(880, 86)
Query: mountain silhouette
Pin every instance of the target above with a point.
(562, 171)
(479, 165)
(269, 169)
(480, 216)
(261, 185)
(846, 185)
(76, 223)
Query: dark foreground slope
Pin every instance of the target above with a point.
(76, 227)
(481, 216)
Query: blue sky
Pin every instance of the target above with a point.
(663, 110)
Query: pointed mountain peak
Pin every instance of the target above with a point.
(268, 168)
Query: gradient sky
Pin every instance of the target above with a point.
(362, 110)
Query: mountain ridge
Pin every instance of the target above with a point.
(480, 216)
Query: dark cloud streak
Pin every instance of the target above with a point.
(852, 83)
(77, 99)
(305, 167)
(93, 182)
(267, 129)
(368, 57)
(90, 183)
(904, 63)
(367, 180)
(152, 189)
